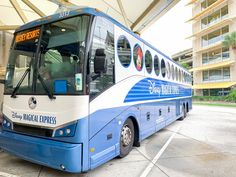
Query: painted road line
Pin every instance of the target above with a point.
(153, 162)
(3, 174)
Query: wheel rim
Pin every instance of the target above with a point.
(126, 135)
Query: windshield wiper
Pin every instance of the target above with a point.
(50, 95)
(13, 95)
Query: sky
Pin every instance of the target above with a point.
(169, 32)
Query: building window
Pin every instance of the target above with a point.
(225, 53)
(226, 73)
(215, 74)
(205, 76)
(138, 57)
(214, 17)
(221, 74)
(156, 65)
(205, 92)
(124, 51)
(207, 3)
(204, 58)
(148, 61)
(163, 68)
(215, 56)
(216, 92)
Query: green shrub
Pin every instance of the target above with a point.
(208, 98)
(232, 96)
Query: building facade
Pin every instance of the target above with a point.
(184, 57)
(214, 67)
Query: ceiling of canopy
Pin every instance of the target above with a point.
(136, 15)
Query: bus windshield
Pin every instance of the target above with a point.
(54, 53)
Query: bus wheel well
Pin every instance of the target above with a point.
(136, 132)
(187, 108)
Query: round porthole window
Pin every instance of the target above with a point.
(163, 68)
(148, 61)
(156, 65)
(124, 51)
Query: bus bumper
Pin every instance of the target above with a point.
(54, 154)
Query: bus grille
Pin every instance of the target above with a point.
(33, 130)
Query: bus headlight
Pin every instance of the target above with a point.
(6, 124)
(67, 131)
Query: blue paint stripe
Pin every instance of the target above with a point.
(159, 90)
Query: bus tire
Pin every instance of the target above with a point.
(126, 138)
(184, 113)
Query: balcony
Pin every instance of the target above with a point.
(210, 47)
(220, 23)
(207, 10)
(213, 66)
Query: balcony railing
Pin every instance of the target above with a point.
(213, 40)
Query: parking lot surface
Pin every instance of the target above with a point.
(203, 145)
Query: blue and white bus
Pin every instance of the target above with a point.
(82, 89)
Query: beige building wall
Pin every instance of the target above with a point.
(5, 43)
(198, 50)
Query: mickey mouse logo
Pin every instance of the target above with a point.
(32, 102)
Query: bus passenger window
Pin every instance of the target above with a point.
(103, 43)
(156, 65)
(163, 68)
(176, 74)
(124, 51)
(173, 72)
(148, 61)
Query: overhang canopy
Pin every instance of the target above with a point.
(136, 15)
(214, 85)
(213, 66)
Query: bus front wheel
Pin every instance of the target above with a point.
(126, 138)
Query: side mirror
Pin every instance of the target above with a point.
(2, 81)
(100, 64)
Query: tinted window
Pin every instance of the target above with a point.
(148, 61)
(138, 57)
(156, 65)
(124, 51)
(163, 68)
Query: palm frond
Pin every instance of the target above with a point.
(230, 40)
(233, 39)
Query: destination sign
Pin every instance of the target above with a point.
(28, 35)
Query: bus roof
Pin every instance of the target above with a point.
(90, 11)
